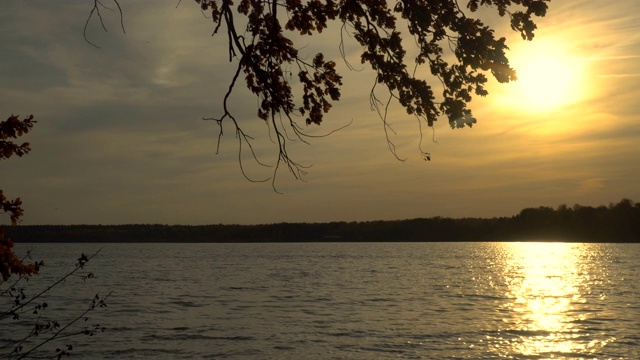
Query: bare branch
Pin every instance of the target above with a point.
(95, 10)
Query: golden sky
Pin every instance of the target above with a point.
(120, 138)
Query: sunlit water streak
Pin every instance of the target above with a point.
(356, 300)
(550, 292)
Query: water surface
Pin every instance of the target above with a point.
(355, 300)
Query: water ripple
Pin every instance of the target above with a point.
(360, 301)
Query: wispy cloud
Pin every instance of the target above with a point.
(589, 186)
(120, 136)
(634, 75)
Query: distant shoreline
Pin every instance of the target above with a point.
(617, 223)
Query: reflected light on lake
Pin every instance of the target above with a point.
(546, 286)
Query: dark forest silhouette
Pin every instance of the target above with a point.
(618, 222)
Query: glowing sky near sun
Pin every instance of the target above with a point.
(120, 138)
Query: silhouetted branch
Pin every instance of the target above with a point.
(95, 10)
(17, 307)
(20, 301)
(440, 29)
(96, 302)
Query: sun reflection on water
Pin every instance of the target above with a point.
(546, 285)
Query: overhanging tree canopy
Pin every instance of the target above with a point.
(453, 45)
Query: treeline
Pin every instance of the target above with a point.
(614, 223)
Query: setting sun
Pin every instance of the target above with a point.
(547, 82)
(548, 78)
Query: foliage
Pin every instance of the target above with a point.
(13, 128)
(15, 302)
(444, 39)
(10, 263)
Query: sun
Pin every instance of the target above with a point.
(547, 81)
(548, 78)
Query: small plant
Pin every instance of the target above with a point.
(32, 329)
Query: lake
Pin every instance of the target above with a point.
(350, 300)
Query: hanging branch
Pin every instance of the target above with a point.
(264, 54)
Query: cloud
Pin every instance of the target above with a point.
(589, 186)
(120, 137)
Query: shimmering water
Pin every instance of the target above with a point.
(355, 300)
